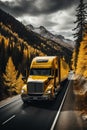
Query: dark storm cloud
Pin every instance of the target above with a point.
(17, 8)
(56, 15)
(36, 7)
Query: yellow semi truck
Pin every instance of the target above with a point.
(43, 82)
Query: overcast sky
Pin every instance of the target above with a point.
(56, 15)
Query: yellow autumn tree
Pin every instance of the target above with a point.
(82, 58)
(19, 84)
(73, 60)
(11, 81)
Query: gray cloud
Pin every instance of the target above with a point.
(18, 8)
(56, 15)
(36, 7)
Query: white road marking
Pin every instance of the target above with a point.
(59, 110)
(8, 119)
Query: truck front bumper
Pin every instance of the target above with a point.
(26, 97)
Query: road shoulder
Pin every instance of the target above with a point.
(8, 100)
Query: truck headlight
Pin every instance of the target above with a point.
(48, 91)
(24, 89)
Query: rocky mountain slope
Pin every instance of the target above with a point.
(47, 34)
(44, 44)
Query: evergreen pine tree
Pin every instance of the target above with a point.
(80, 27)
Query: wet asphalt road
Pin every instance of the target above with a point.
(32, 116)
(69, 118)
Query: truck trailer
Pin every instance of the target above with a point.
(45, 75)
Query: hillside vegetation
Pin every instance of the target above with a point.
(33, 39)
(80, 79)
(18, 46)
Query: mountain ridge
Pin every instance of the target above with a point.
(47, 34)
(47, 46)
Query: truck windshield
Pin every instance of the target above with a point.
(40, 71)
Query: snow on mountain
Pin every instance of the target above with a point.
(47, 34)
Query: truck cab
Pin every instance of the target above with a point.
(43, 82)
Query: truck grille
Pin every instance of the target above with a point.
(35, 87)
